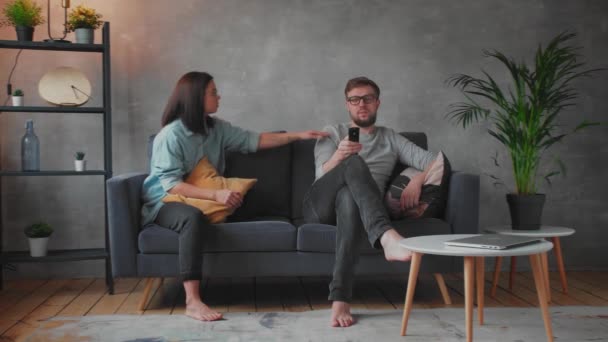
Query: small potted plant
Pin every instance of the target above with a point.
(83, 21)
(79, 163)
(24, 15)
(38, 235)
(17, 98)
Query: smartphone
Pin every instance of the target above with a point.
(353, 134)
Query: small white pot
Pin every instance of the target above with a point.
(17, 101)
(80, 165)
(38, 246)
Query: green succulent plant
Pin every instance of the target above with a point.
(79, 155)
(38, 230)
(22, 13)
(18, 92)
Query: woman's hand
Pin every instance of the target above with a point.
(233, 199)
(305, 135)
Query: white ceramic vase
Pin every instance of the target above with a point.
(80, 165)
(17, 101)
(38, 246)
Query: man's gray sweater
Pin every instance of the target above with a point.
(381, 150)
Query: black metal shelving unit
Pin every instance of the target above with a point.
(106, 111)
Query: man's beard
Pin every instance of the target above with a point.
(370, 121)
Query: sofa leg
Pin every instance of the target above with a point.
(147, 290)
(444, 290)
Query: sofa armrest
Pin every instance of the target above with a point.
(462, 211)
(124, 212)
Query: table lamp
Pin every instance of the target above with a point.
(65, 4)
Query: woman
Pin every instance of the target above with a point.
(189, 134)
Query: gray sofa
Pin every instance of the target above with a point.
(267, 236)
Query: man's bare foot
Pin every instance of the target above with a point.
(198, 310)
(340, 315)
(392, 251)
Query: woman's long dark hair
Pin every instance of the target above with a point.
(187, 102)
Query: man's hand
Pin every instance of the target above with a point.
(411, 194)
(305, 135)
(233, 199)
(346, 148)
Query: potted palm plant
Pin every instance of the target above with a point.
(523, 115)
(84, 21)
(38, 235)
(24, 15)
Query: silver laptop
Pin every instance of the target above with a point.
(493, 241)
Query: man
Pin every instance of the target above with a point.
(349, 187)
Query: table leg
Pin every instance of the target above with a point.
(536, 263)
(497, 266)
(469, 283)
(480, 273)
(545, 264)
(557, 247)
(444, 289)
(512, 273)
(411, 288)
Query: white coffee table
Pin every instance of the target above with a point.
(552, 232)
(473, 266)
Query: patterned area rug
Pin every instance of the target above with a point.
(571, 323)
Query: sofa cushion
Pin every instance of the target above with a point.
(313, 237)
(267, 236)
(271, 196)
(205, 176)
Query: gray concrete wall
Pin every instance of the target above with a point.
(282, 64)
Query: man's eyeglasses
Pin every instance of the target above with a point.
(367, 99)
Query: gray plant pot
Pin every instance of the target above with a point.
(85, 35)
(526, 211)
(25, 33)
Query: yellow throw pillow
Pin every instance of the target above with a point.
(205, 176)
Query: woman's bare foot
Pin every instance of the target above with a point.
(392, 251)
(340, 315)
(198, 310)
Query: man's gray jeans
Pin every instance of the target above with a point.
(348, 197)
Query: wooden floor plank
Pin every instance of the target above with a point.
(217, 294)
(317, 290)
(242, 295)
(371, 296)
(130, 306)
(108, 304)
(15, 290)
(581, 296)
(456, 282)
(86, 299)
(29, 303)
(293, 296)
(48, 309)
(590, 282)
(267, 297)
(163, 299)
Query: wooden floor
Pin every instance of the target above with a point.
(25, 304)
